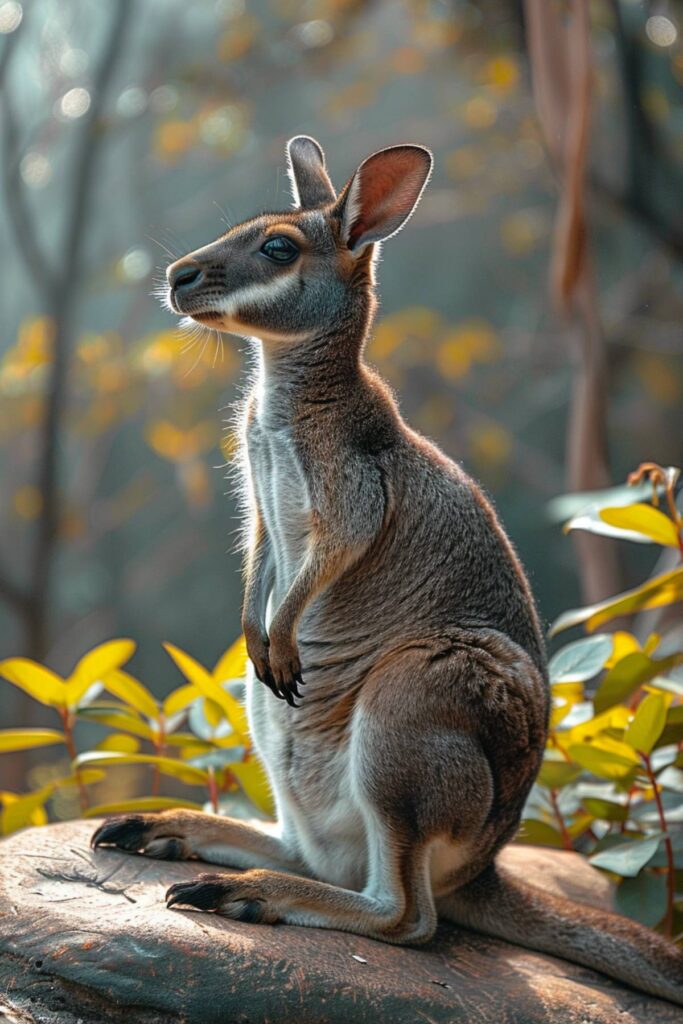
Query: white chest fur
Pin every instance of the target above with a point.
(283, 498)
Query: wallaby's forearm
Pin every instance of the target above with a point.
(259, 575)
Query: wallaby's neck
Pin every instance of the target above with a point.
(321, 374)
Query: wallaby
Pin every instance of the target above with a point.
(378, 575)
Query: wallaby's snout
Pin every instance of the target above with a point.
(183, 277)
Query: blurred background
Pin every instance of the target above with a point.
(530, 318)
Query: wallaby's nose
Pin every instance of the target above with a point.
(183, 276)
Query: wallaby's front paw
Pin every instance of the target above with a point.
(259, 655)
(239, 896)
(285, 669)
(141, 833)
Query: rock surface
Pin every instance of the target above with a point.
(85, 938)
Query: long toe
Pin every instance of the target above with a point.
(126, 833)
(203, 895)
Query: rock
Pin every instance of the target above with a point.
(85, 939)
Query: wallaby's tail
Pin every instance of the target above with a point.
(499, 904)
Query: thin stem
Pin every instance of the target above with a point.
(566, 838)
(159, 742)
(67, 722)
(668, 846)
(213, 789)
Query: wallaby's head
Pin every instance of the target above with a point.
(289, 276)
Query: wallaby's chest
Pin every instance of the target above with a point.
(283, 496)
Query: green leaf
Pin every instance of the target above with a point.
(38, 682)
(580, 660)
(26, 739)
(673, 727)
(648, 723)
(132, 692)
(555, 774)
(628, 858)
(643, 898)
(539, 833)
(606, 810)
(662, 590)
(140, 803)
(166, 765)
(628, 675)
(603, 763)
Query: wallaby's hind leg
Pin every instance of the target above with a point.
(185, 834)
(424, 790)
(378, 911)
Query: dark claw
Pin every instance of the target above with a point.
(127, 833)
(269, 681)
(289, 698)
(298, 679)
(203, 895)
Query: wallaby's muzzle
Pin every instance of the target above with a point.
(183, 279)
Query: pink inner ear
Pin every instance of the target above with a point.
(389, 186)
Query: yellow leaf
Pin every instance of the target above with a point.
(624, 643)
(118, 719)
(615, 747)
(232, 664)
(94, 665)
(615, 718)
(166, 765)
(643, 519)
(179, 699)
(19, 812)
(120, 741)
(254, 782)
(129, 690)
(190, 667)
(208, 686)
(648, 722)
(26, 739)
(603, 763)
(143, 803)
(39, 682)
(658, 592)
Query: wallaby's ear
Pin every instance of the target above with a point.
(306, 167)
(383, 193)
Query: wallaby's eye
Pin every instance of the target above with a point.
(280, 249)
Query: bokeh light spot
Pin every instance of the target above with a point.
(11, 14)
(75, 103)
(661, 31)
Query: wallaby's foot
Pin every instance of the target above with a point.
(143, 833)
(241, 897)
